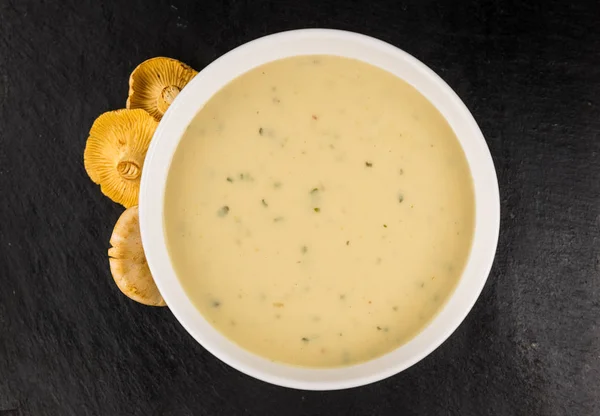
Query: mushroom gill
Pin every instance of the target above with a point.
(155, 83)
(115, 151)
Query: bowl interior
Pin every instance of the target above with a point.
(391, 59)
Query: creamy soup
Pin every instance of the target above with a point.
(319, 211)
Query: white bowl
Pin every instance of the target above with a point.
(315, 42)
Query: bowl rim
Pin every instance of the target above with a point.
(376, 52)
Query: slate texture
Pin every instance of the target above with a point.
(71, 344)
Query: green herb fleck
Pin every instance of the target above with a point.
(384, 225)
(379, 328)
(224, 210)
(261, 131)
(400, 198)
(395, 308)
(342, 297)
(317, 209)
(401, 171)
(314, 190)
(348, 242)
(277, 185)
(304, 339)
(369, 164)
(304, 249)
(264, 203)
(277, 219)
(216, 304)
(246, 177)
(229, 179)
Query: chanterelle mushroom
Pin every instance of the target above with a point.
(155, 83)
(128, 262)
(115, 151)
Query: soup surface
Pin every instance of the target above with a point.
(319, 211)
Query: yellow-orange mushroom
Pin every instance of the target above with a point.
(128, 262)
(115, 151)
(155, 83)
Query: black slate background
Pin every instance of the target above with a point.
(71, 344)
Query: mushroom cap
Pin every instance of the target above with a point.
(115, 151)
(128, 262)
(155, 83)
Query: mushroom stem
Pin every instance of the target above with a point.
(166, 97)
(128, 169)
